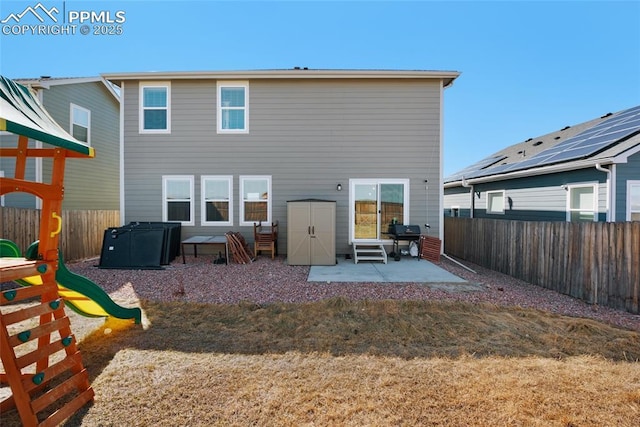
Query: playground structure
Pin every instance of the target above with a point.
(39, 353)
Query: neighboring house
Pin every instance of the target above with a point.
(87, 108)
(587, 172)
(218, 151)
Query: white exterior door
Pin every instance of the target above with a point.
(373, 204)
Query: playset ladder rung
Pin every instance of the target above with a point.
(40, 354)
(37, 382)
(69, 409)
(61, 390)
(39, 331)
(47, 307)
(53, 371)
(12, 296)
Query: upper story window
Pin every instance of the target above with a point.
(495, 202)
(255, 205)
(233, 109)
(80, 123)
(633, 200)
(217, 200)
(581, 203)
(155, 107)
(177, 197)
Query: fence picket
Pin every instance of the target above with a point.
(596, 262)
(81, 235)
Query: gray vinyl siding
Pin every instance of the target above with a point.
(625, 172)
(308, 135)
(540, 198)
(8, 166)
(459, 197)
(89, 183)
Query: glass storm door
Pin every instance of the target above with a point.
(365, 211)
(375, 205)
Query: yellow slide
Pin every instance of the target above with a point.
(78, 292)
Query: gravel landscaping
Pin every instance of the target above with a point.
(265, 281)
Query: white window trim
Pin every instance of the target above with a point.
(71, 121)
(504, 200)
(455, 209)
(630, 183)
(203, 200)
(141, 108)
(373, 181)
(165, 214)
(243, 178)
(594, 187)
(225, 84)
(2, 197)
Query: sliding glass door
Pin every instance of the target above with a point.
(376, 203)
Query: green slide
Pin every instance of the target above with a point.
(79, 293)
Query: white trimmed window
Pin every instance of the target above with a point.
(177, 199)
(581, 203)
(495, 202)
(155, 107)
(255, 204)
(80, 123)
(633, 200)
(233, 107)
(217, 200)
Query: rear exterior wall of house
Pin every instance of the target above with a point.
(306, 135)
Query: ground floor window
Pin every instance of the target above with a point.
(581, 203)
(217, 200)
(375, 204)
(177, 196)
(633, 200)
(495, 202)
(255, 204)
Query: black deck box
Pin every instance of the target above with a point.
(143, 245)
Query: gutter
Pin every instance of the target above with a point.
(529, 172)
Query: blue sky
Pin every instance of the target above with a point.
(528, 68)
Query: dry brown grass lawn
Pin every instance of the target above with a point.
(339, 362)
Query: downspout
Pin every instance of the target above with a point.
(472, 201)
(609, 192)
(121, 176)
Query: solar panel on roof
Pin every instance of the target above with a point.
(586, 143)
(470, 170)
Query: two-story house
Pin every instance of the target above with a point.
(88, 109)
(585, 172)
(218, 151)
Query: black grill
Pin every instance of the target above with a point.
(399, 232)
(404, 232)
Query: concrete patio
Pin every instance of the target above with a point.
(406, 270)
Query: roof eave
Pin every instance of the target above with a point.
(44, 83)
(563, 167)
(447, 77)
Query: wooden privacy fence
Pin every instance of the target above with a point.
(81, 235)
(597, 262)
